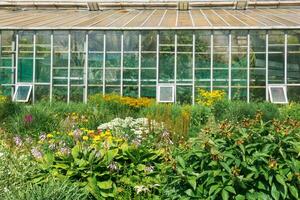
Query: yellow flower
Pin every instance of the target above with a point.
(70, 133)
(85, 138)
(49, 135)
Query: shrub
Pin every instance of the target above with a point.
(253, 160)
(7, 107)
(179, 120)
(209, 98)
(102, 163)
(291, 111)
(240, 110)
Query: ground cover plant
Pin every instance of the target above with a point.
(126, 148)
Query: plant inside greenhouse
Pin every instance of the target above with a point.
(143, 99)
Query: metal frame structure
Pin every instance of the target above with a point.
(139, 85)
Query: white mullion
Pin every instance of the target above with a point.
(175, 69)
(122, 64)
(69, 67)
(211, 60)
(267, 66)
(51, 67)
(86, 67)
(229, 66)
(248, 67)
(33, 66)
(17, 58)
(193, 69)
(285, 58)
(157, 66)
(140, 65)
(103, 68)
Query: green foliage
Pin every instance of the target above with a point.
(103, 164)
(50, 190)
(15, 167)
(291, 111)
(252, 160)
(239, 110)
(7, 107)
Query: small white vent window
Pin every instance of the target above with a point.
(278, 94)
(22, 93)
(165, 93)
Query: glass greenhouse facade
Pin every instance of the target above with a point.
(169, 65)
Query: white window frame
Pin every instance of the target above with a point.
(164, 85)
(284, 91)
(28, 95)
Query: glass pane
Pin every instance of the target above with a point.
(6, 76)
(95, 76)
(184, 68)
(149, 40)
(25, 61)
(166, 94)
(293, 55)
(113, 41)
(130, 91)
(278, 94)
(148, 76)
(43, 56)
(293, 93)
(166, 67)
(148, 92)
(96, 49)
(276, 57)
(76, 94)
(6, 48)
(130, 77)
(42, 92)
(22, 93)
(184, 94)
(60, 93)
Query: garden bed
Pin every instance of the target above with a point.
(126, 148)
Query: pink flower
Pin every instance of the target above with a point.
(28, 119)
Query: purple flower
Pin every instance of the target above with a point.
(52, 146)
(149, 169)
(28, 119)
(113, 167)
(42, 137)
(18, 141)
(65, 151)
(36, 153)
(77, 134)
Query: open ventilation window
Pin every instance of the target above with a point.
(165, 93)
(278, 94)
(22, 93)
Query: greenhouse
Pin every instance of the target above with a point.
(164, 52)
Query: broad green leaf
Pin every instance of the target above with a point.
(240, 197)
(75, 151)
(225, 195)
(212, 189)
(189, 192)
(280, 180)
(180, 161)
(226, 167)
(274, 192)
(111, 154)
(294, 191)
(230, 189)
(105, 184)
(193, 182)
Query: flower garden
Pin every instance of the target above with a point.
(125, 148)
